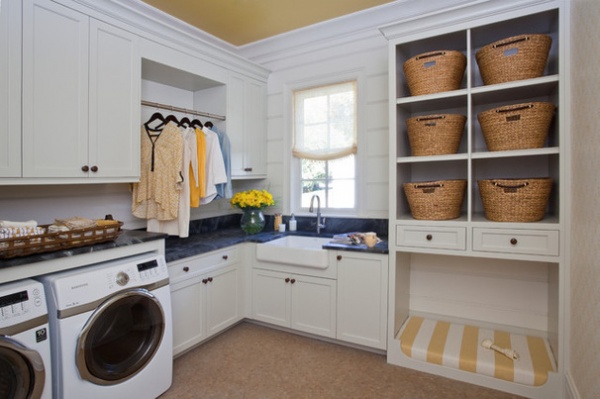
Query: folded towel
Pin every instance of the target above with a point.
(76, 222)
(10, 232)
(8, 223)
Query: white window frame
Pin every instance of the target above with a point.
(292, 183)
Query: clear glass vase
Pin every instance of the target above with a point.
(252, 221)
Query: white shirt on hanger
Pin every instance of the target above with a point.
(215, 166)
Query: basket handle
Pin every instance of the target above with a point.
(521, 39)
(428, 188)
(434, 54)
(430, 118)
(438, 185)
(511, 188)
(510, 109)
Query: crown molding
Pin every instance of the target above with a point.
(461, 15)
(347, 29)
(153, 24)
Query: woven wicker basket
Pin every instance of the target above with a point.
(58, 241)
(435, 72)
(514, 58)
(435, 134)
(435, 200)
(515, 200)
(516, 127)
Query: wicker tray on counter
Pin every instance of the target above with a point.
(49, 242)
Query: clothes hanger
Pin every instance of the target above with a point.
(196, 123)
(171, 118)
(208, 124)
(184, 122)
(157, 116)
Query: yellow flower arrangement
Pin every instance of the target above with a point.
(252, 199)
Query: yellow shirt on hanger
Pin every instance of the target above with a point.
(199, 191)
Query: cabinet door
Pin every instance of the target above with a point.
(314, 305)
(256, 138)
(188, 314)
(362, 299)
(223, 299)
(271, 297)
(246, 127)
(115, 79)
(10, 88)
(55, 90)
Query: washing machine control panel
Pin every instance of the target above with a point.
(23, 302)
(149, 269)
(122, 278)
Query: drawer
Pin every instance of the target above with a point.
(201, 263)
(530, 242)
(431, 237)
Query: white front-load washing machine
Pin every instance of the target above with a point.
(113, 335)
(25, 367)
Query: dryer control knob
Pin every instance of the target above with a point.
(122, 278)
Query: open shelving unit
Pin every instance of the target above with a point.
(470, 270)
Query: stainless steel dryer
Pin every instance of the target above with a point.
(25, 368)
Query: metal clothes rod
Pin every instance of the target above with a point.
(183, 110)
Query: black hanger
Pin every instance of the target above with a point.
(157, 116)
(196, 123)
(171, 118)
(208, 124)
(184, 122)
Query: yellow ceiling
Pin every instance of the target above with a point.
(240, 22)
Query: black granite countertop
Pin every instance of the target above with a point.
(126, 238)
(210, 235)
(196, 244)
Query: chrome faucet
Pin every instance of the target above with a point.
(320, 222)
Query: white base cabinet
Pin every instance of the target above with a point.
(303, 303)
(362, 283)
(206, 296)
(347, 301)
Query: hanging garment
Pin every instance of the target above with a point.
(215, 167)
(198, 191)
(156, 196)
(181, 226)
(224, 190)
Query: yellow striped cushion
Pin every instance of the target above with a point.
(459, 346)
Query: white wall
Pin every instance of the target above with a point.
(585, 236)
(329, 61)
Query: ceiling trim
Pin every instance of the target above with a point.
(346, 29)
(152, 24)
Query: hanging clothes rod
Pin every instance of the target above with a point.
(183, 110)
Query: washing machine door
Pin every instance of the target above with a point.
(22, 373)
(121, 337)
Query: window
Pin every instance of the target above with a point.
(325, 145)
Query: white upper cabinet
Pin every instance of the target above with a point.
(246, 127)
(81, 97)
(10, 88)
(115, 71)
